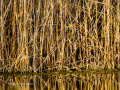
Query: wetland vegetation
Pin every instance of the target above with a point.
(34, 37)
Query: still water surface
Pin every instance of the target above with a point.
(67, 81)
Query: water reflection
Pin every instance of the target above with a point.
(78, 81)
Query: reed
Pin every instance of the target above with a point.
(35, 36)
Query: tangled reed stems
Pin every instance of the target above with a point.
(34, 35)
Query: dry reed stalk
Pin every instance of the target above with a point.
(107, 30)
(57, 29)
(39, 37)
(104, 22)
(118, 34)
(13, 32)
(1, 34)
(62, 35)
(96, 31)
(25, 35)
(20, 34)
(38, 19)
(34, 39)
(51, 34)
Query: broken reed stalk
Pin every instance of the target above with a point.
(35, 35)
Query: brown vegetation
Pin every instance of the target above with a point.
(34, 35)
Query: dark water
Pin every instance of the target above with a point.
(67, 81)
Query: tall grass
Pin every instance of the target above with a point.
(34, 35)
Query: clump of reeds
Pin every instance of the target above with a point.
(34, 35)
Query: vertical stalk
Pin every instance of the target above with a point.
(25, 37)
(34, 79)
(51, 25)
(111, 35)
(62, 33)
(107, 32)
(118, 35)
(96, 30)
(104, 22)
(13, 32)
(57, 55)
(38, 20)
(85, 32)
(86, 42)
(34, 42)
(1, 32)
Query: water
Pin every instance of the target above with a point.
(56, 81)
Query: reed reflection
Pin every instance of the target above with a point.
(61, 82)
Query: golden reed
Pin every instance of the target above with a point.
(35, 35)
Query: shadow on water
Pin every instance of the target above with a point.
(61, 81)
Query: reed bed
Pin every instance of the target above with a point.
(35, 36)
